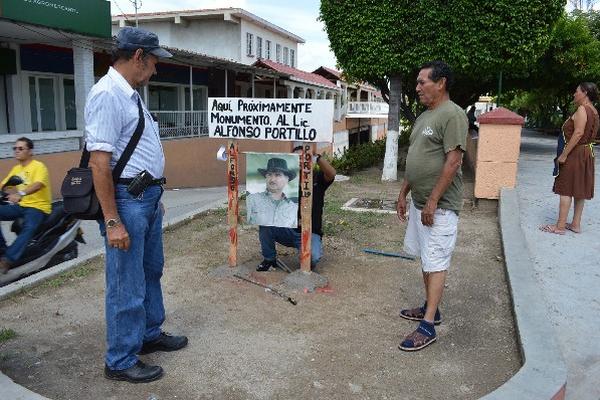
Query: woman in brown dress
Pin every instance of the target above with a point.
(576, 163)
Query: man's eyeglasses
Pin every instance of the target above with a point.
(20, 148)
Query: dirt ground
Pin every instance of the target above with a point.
(246, 343)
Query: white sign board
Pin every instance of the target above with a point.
(301, 120)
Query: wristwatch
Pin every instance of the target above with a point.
(21, 193)
(112, 223)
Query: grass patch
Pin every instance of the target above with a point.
(7, 334)
(338, 222)
(70, 276)
(209, 219)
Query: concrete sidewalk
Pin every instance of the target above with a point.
(567, 267)
(178, 203)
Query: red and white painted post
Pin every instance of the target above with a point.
(306, 194)
(233, 205)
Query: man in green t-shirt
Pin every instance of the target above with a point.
(434, 179)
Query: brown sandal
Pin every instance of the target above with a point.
(570, 227)
(552, 229)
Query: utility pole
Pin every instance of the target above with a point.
(137, 4)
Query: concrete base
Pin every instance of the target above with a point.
(279, 280)
(486, 204)
(305, 281)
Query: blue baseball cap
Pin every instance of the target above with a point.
(130, 38)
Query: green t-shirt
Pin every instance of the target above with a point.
(435, 133)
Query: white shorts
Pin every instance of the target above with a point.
(434, 244)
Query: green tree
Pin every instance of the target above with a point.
(385, 41)
(572, 57)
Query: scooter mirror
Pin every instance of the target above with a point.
(13, 181)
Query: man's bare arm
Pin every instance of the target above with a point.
(401, 205)
(15, 197)
(451, 167)
(103, 183)
(105, 191)
(328, 170)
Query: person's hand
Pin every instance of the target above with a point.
(401, 208)
(428, 212)
(562, 158)
(118, 237)
(14, 198)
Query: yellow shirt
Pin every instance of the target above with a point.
(33, 172)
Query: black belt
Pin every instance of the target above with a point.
(155, 182)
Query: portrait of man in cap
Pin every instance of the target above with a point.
(273, 188)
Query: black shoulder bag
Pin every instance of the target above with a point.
(79, 196)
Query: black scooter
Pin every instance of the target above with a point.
(54, 242)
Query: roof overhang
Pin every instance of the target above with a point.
(293, 80)
(190, 58)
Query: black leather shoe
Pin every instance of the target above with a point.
(4, 265)
(139, 373)
(165, 342)
(266, 265)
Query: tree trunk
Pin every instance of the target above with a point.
(390, 163)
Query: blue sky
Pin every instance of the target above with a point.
(298, 17)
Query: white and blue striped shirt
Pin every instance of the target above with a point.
(111, 116)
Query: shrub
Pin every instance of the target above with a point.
(359, 157)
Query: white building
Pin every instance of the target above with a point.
(230, 33)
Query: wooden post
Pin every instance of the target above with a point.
(232, 192)
(306, 190)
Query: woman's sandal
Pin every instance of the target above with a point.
(570, 227)
(552, 229)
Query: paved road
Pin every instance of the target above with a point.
(567, 267)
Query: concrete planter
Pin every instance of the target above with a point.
(497, 152)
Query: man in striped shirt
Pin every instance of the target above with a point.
(132, 224)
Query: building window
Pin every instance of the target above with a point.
(70, 105)
(42, 103)
(292, 58)
(285, 55)
(268, 49)
(200, 98)
(259, 53)
(163, 98)
(278, 53)
(249, 40)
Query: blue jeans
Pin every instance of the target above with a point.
(269, 235)
(32, 220)
(134, 300)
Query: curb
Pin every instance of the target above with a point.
(544, 373)
(12, 390)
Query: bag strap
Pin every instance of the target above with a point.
(124, 159)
